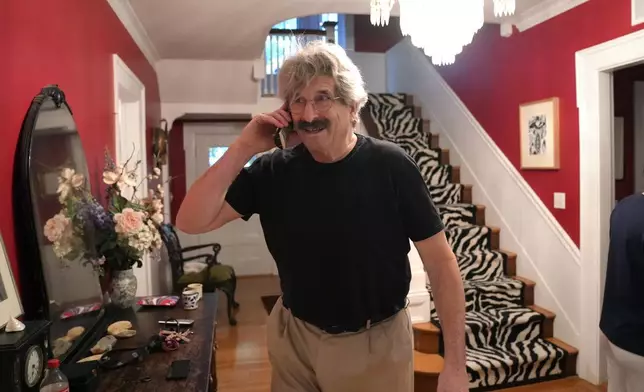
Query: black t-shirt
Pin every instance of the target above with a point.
(339, 232)
(622, 318)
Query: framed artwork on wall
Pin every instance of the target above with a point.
(10, 305)
(539, 127)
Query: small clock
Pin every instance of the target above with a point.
(34, 365)
(23, 357)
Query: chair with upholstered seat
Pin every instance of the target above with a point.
(201, 268)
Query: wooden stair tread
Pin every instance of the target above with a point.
(525, 281)
(508, 253)
(426, 328)
(545, 312)
(564, 346)
(430, 364)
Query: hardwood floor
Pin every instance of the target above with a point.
(242, 360)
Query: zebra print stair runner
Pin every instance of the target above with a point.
(503, 337)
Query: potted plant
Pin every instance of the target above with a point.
(112, 238)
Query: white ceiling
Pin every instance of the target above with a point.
(236, 29)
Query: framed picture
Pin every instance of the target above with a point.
(10, 305)
(539, 127)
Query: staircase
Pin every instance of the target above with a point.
(509, 339)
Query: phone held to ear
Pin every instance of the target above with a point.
(281, 135)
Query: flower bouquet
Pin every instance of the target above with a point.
(112, 238)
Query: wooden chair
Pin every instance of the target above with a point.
(213, 276)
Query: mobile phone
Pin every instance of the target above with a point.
(281, 135)
(182, 322)
(178, 370)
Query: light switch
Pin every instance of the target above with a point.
(560, 200)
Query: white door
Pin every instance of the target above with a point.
(129, 111)
(242, 242)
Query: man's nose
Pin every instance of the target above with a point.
(309, 112)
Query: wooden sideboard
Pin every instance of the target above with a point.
(149, 375)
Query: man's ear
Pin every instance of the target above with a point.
(354, 114)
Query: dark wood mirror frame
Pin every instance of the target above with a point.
(33, 285)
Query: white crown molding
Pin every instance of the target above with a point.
(547, 9)
(133, 25)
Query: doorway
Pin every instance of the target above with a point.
(628, 134)
(594, 76)
(242, 242)
(129, 121)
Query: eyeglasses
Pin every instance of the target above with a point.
(320, 103)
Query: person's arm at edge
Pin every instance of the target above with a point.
(204, 207)
(448, 294)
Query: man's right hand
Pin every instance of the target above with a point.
(257, 136)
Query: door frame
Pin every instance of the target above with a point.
(128, 88)
(191, 131)
(594, 101)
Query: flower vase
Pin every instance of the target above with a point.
(123, 286)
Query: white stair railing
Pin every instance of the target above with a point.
(280, 44)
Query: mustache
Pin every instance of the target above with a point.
(319, 123)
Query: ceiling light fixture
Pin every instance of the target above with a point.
(504, 7)
(381, 11)
(440, 27)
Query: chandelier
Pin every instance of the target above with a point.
(440, 27)
(380, 11)
(504, 7)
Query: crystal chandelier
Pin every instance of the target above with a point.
(381, 11)
(440, 27)
(504, 7)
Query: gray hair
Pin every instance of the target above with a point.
(320, 58)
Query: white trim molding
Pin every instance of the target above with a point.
(544, 10)
(594, 100)
(130, 126)
(133, 25)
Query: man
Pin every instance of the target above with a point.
(338, 210)
(622, 319)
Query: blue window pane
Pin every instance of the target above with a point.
(215, 153)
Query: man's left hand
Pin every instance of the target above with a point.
(453, 379)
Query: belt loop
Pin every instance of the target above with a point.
(368, 323)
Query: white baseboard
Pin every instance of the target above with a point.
(545, 253)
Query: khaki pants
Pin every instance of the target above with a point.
(625, 369)
(306, 359)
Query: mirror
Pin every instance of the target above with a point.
(66, 292)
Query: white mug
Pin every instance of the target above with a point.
(190, 299)
(198, 287)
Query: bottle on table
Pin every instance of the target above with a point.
(54, 380)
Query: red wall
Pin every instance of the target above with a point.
(494, 75)
(370, 38)
(69, 43)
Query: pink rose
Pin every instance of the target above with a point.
(129, 221)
